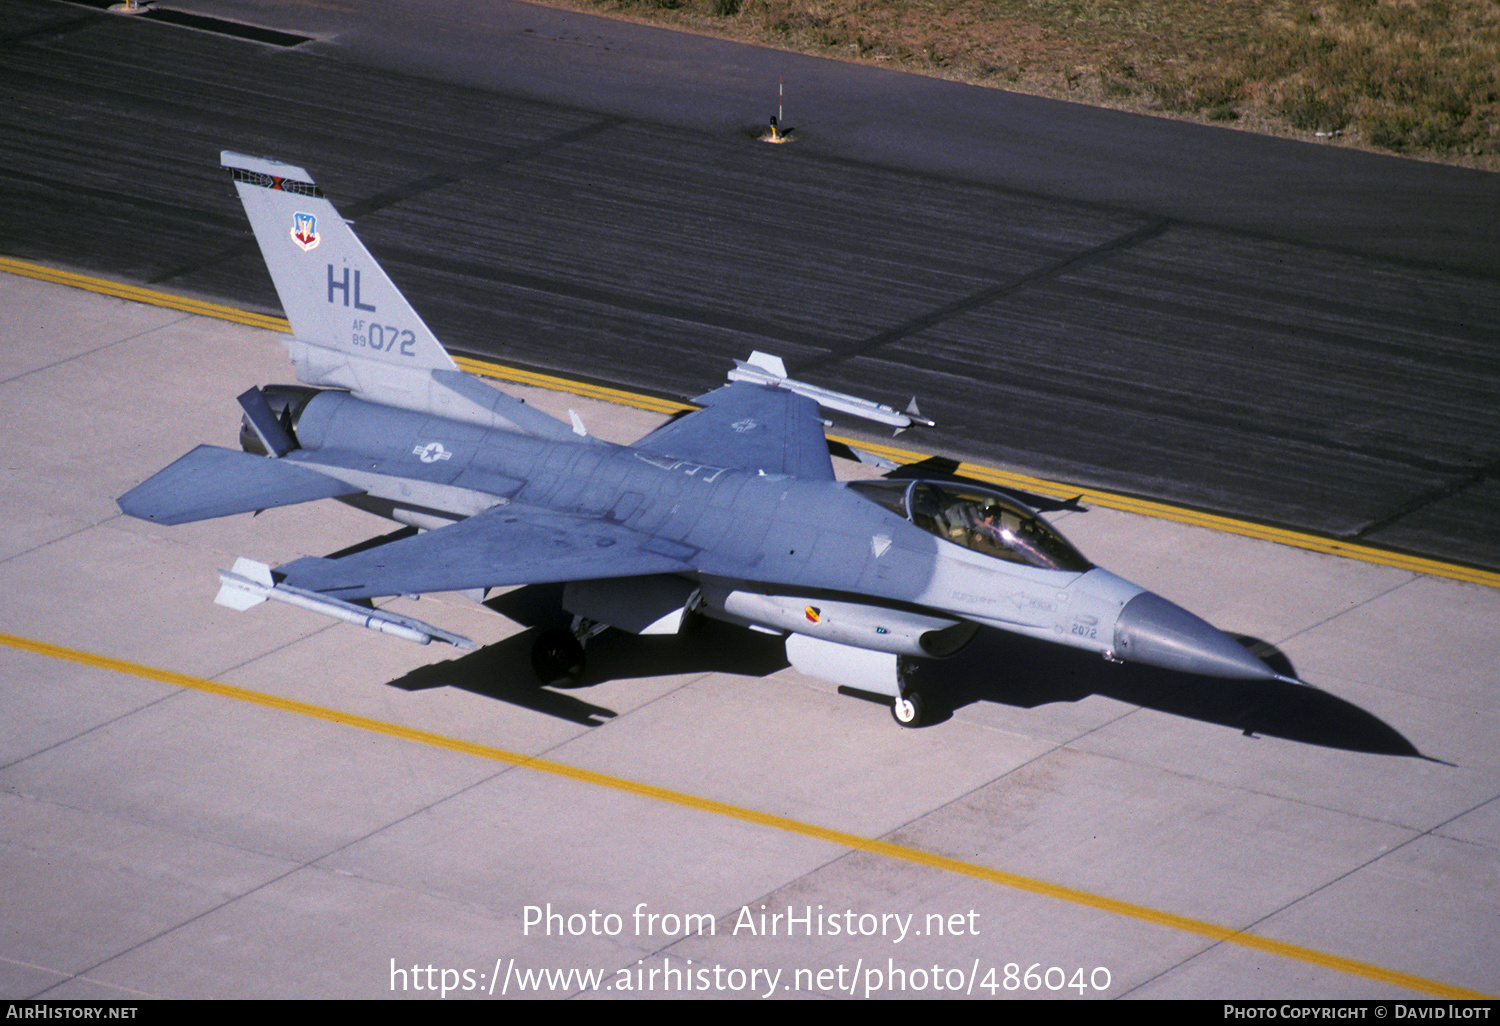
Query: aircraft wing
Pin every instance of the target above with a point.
(749, 427)
(503, 545)
(213, 482)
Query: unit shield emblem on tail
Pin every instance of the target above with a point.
(305, 231)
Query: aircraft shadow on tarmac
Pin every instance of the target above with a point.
(1023, 672)
(994, 667)
(503, 671)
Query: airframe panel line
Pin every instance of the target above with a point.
(1111, 500)
(915, 856)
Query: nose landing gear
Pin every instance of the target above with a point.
(907, 707)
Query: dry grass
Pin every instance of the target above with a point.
(1417, 77)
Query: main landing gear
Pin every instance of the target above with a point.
(557, 655)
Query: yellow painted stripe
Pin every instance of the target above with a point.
(138, 294)
(838, 838)
(1110, 500)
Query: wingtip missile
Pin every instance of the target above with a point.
(916, 415)
(770, 371)
(251, 583)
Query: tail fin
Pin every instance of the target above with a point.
(351, 327)
(334, 293)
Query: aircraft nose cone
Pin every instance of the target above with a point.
(1152, 630)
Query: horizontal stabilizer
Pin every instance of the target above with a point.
(213, 482)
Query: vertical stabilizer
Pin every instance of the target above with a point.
(351, 327)
(334, 293)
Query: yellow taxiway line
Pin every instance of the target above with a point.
(839, 838)
(1004, 478)
(140, 294)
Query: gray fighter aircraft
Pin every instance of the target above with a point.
(731, 511)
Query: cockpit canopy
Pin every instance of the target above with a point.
(976, 518)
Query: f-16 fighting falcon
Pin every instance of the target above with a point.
(731, 511)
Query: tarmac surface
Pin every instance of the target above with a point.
(1292, 333)
(208, 804)
(200, 803)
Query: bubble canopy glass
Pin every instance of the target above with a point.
(976, 518)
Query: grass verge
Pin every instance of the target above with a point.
(1415, 77)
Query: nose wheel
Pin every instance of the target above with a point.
(908, 709)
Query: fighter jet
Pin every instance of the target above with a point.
(731, 511)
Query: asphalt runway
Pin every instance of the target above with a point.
(1279, 331)
(198, 803)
